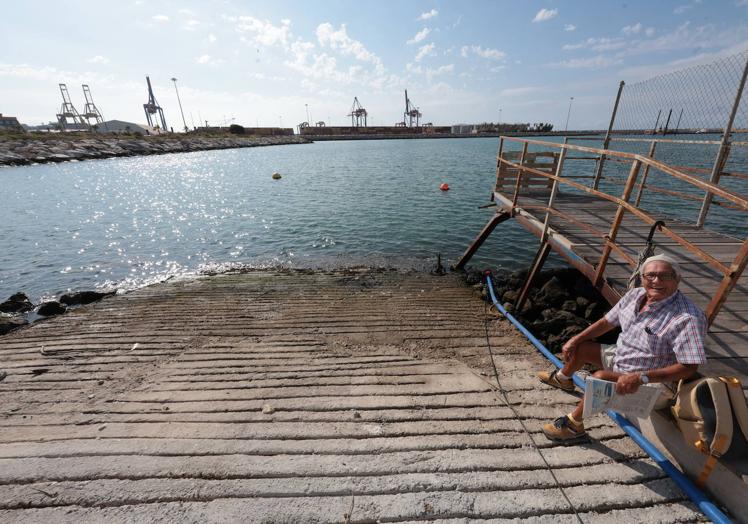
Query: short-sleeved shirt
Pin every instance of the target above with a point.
(670, 331)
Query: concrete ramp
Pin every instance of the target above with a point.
(347, 396)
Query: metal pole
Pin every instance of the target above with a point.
(677, 126)
(184, 122)
(606, 142)
(667, 122)
(654, 129)
(568, 114)
(307, 113)
(724, 150)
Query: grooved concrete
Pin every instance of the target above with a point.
(300, 397)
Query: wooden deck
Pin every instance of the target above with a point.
(727, 345)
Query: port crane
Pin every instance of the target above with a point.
(90, 111)
(152, 108)
(411, 112)
(69, 113)
(358, 114)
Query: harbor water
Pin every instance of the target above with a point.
(123, 223)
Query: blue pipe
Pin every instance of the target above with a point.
(695, 494)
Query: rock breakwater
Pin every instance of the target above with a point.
(35, 150)
(561, 303)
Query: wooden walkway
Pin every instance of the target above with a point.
(727, 344)
(300, 397)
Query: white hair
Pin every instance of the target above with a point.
(662, 258)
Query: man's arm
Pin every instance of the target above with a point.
(593, 331)
(630, 382)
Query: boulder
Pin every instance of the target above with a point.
(17, 303)
(554, 292)
(582, 302)
(51, 308)
(82, 297)
(510, 296)
(9, 323)
(570, 306)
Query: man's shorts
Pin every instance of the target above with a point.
(608, 352)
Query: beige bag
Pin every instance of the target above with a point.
(713, 416)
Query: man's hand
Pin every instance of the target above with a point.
(569, 348)
(628, 383)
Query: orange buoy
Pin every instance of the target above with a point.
(444, 187)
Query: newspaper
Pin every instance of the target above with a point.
(601, 395)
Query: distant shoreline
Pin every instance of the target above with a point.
(27, 150)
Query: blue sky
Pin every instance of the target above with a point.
(268, 62)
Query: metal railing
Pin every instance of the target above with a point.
(730, 273)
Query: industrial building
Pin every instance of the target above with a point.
(9, 123)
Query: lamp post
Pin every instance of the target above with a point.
(184, 122)
(307, 114)
(499, 119)
(568, 114)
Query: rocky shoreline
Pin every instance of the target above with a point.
(561, 303)
(31, 150)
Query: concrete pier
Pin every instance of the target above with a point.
(344, 396)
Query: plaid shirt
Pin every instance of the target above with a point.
(670, 331)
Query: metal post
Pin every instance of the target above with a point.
(554, 192)
(606, 142)
(724, 150)
(568, 114)
(667, 123)
(677, 126)
(184, 122)
(654, 129)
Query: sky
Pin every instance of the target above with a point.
(272, 63)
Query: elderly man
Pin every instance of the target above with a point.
(661, 340)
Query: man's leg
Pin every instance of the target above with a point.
(586, 353)
(569, 429)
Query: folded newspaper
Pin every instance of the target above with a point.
(601, 395)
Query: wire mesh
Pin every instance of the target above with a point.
(696, 99)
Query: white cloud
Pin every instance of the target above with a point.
(424, 51)
(263, 32)
(650, 31)
(632, 29)
(186, 12)
(597, 44)
(520, 91)
(160, 18)
(428, 14)
(545, 14)
(420, 35)
(208, 60)
(570, 27)
(190, 25)
(595, 62)
(679, 10)
(492, 54)
(212, 38)
(98, 59)
(340, 41)
(428, 72)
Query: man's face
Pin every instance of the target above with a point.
(659, 280)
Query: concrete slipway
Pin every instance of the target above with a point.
(346, 396)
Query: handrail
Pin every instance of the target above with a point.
(644, 216)
(701, 184)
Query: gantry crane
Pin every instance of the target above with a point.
(90, 111)
(68, 112)
(411, 112)
(357, 114)
(151, 108)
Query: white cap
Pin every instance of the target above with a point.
(662, 258)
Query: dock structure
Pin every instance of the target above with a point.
(602, 232)
(301, 397)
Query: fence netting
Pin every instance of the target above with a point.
(699, 98)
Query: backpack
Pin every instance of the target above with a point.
(713, 416)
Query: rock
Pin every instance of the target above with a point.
(554, 292)
(51, 308)
(582, 302)
(82, 297)
(17, 303)
(267, 409)
(9, 323)
(510, 296)
(569, 305)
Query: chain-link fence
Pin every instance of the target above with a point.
(699, 98)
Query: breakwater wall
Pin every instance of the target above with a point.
(32, 150)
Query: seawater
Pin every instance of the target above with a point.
(124, 223)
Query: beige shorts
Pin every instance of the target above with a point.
(608, 352)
